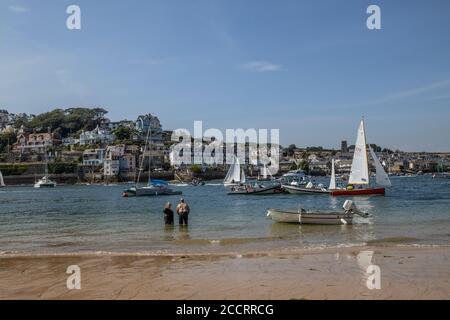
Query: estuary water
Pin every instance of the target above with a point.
(72, 219)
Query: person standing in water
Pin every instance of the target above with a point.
(168, 214)
(183, 212)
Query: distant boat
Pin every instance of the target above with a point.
(45, 181)
(257, 189)
(359, 174)
(2, 182)
(235, 175)
(153, 187)
(303, 216)
(311, 188)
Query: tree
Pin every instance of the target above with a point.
(290, 150)
(123, 133)
(7, 138)
(304, 165)
(67, 122)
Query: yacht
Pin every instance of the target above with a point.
(45, 182)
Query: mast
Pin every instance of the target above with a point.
(141, 167)
(149, 182)
(46, 161)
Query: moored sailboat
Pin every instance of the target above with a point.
(45, 181)
(359, 180)
(153, 187)
(235, 175)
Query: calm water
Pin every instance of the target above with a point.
(96, 218)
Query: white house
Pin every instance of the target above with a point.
(96, 136)
(93, 157)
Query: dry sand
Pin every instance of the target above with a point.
(406, 273)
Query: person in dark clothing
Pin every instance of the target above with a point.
(183, 212)
(168, 214)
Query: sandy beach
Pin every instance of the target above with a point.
(407, 272)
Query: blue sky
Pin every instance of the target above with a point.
(309, 68)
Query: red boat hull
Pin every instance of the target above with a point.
(359, 192)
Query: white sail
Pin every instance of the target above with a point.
(266, 172)
(359, 173)
(243, 180)
(382, 178)
(2, 182)
(333, 177)
(234, 173)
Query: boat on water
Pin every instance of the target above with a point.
(303, 216)
(311, 188)
(359, 180)
(442, 175)
(257, 189)
(2, 182)
(294, 177)
(197, 182)
(235, 175)
(45, 181)
(153, 187)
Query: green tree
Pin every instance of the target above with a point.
(304, 165)
(290, 150)
(123, 133)
(7, 138)
(67, 122)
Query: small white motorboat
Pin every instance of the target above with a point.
(45, 182)
(310, 188)
(303, 216)
(257, 189)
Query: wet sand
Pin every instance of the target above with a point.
(406, 273)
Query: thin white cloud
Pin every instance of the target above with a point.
(260, 66)
(407, 93)
(18, 9)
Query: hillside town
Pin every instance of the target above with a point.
(82, 144)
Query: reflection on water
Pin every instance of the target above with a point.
(74, 218)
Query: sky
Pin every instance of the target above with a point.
(309, 68)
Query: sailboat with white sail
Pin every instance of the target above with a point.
(153, 187)
(2, 182)
(235, 175)
(237, 180)
(359, 180)
(45, 181)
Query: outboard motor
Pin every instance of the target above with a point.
(351, 208)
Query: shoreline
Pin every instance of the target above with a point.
(407, 272)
